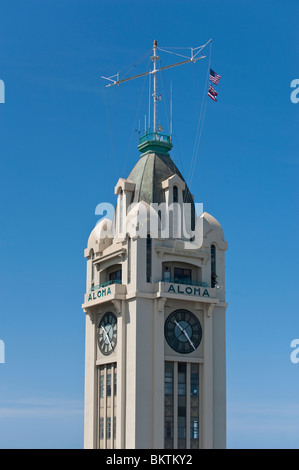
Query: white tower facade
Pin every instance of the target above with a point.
(155, 366)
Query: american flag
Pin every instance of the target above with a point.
(212, 93)
(214, 77)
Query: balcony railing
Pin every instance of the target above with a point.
(155, 136)
(186, 282)
(109, 283)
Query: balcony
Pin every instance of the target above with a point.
(104, 293)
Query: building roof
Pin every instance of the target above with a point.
(149, 173)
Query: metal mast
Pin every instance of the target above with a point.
(154, 59)
(194, 57)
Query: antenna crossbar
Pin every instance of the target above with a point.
(118, 82)
(114, 79)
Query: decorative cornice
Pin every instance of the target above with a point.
(209, 309)
(162, 250)
(117, 305)
(120, 252)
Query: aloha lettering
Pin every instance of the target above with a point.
(189, 290)
(100, 293)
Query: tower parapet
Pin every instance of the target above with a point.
(155, 142)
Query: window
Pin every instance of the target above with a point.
(168, 405)
(182, 383)
(194, 380)
(108, 431)
(92, 268)
(182, 276)
(166, 273)
(115, 383)
(168, 379)
(148, 259)
(109, 384)
(102, 378)
(175, 194)
(168, 428)
(194, 406)
(213, 266)
(129, 260)
(107, 404)
(181, 405)
(194, 428)
(115, 276)
(121, 209)
(114, 427)
(101, 428)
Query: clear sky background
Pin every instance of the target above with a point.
(65, 140)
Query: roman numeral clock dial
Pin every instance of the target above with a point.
(107, 333)
(183, 331)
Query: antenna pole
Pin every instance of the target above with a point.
(114, 79)
(154, 59)
(149, 104)
(171, 110)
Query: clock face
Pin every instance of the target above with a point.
(183, 331)
(107, 333)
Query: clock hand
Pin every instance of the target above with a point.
(177, 324)
(110, 331)
(185, 333)
(187, 336)
(107, 336)
(109, 328)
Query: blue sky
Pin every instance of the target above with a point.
(65, 141)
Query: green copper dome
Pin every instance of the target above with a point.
(149, 173)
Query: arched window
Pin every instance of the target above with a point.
(121, 208)
(92, 267)
(213, 266)
(148, 259)
(175, 194)
(129, 260)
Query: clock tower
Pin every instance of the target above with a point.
(155, 366)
